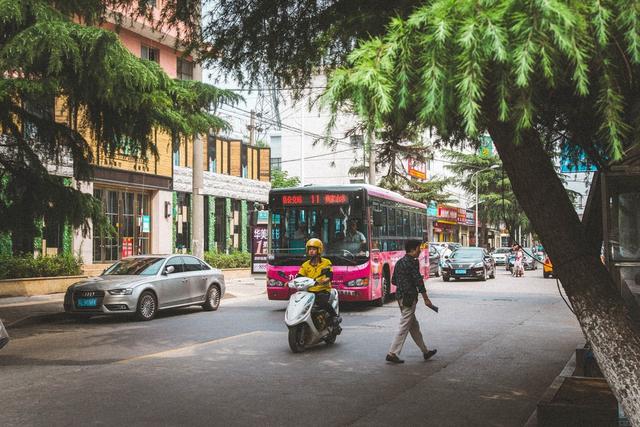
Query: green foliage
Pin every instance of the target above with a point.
(284, 42)
(110, 96)
(560, 69)
(281, 179)
(28, 266)
(231, 260)
(498, 203)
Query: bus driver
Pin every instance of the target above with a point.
(355, 240)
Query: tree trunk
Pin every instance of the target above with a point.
(603, 317)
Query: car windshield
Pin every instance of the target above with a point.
(135, 267)
(340, 226)
(502, 251)
(469, 253)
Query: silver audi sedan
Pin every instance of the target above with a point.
(142, 285)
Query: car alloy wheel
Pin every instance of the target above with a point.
(147, 306)
(212, 301)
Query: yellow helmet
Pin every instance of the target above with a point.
(315, 243)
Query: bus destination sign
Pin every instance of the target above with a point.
(315, 199)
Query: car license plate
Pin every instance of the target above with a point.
(87, 302)
(461, 271)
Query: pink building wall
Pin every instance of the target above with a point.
(133, 42)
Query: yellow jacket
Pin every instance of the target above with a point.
(315, 272)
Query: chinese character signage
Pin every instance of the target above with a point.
(127, 247)
(486, 146)
(448, 213)
(417, 169)
(471, 217)
(462, 216)
(259, 238)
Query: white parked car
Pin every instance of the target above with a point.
(142, 285)
(500, 255)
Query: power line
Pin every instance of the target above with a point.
(316, 156)
(247, 114)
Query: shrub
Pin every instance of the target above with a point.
(232, 260)
(27, 266)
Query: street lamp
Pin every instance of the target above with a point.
(477, 202)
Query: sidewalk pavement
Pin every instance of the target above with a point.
(16, 309)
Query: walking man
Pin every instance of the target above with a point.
(409, 283)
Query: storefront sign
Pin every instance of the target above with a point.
(417, 169)
(127, 247)
(432, 209)
(263, 217)
(462, 216)
(146, 223)
(486, 147)
(259, 237)
(448, 213)
(471, 217)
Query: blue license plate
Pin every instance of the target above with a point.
(87, 302)
(461, 271)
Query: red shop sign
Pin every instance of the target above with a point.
(446, 212)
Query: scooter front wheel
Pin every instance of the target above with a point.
(296, 338)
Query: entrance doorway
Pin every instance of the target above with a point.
(129, 214)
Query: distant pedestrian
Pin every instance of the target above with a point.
(518, 264)
(409, 283)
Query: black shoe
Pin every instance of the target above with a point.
(429, 354)
(393, 358)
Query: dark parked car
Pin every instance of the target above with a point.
(472, 263)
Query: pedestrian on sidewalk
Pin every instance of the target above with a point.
(409, 283)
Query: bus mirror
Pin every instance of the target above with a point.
(378, 219)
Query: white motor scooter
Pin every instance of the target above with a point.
(308, 325)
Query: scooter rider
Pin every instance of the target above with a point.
(319, 269)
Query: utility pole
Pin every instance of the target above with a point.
(252, 128)
(301, 144)
(372, 160)
(197, 214)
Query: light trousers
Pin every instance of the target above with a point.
(408, 325)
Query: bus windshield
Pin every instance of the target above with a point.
(340, 226)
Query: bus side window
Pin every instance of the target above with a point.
(412, 224)
(391, 222)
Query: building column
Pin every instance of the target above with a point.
(228, 219)
(212, 222)
(82, 246)
(174, 218)
(243, 226)
(162, 223)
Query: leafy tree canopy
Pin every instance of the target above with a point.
(110, 96)
(532, 74)
(284, 42)
(281, 179)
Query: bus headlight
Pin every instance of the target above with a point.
(274, 282)
(358, 282)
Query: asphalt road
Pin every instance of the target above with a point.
(500, 344)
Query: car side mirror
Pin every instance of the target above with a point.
(378, 219)
(170, 269)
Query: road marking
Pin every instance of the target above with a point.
(176, 351)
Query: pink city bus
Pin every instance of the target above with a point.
(363, 229)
